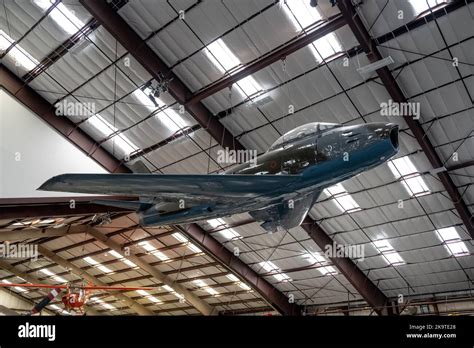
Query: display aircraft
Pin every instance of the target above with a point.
(278, 188)
(75, 298)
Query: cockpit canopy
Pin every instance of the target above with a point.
(302, 132)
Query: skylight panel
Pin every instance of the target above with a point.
(200, 283)
(152, 298)
(190, 245)
(53, 275)
(147, 246)
(147, 99)
(344, 200)
(318, 258)
(302, 15)
(152, 250)
(227, 233)
(452, 241)
(194, 248)
(171, 119)
(221, 55)
(107, 305)
(62, 16)
(17, 53)
(180, 237)
(412, 181)
(420, 6)
(388, 252)
(271, 267)
(96, 264)
(17, 288)
(123, 259)
(106, 129)
(233, 278)
(171, 290)
(224, 59)
(448, 234)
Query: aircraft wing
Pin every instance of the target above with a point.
(286, 214)
(172, 186)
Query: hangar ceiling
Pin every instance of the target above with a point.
(421, 249)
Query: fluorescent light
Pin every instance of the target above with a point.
(271, 267)
(104, 127)
(344, 200)
(370, 68)
(224, 59)
(388, 252)
(452, 241)
(412, 181)
(302, 15)
(62, 16)
(18, 54)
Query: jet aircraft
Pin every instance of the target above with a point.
(278, 189)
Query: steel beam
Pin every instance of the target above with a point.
(370, 47)
(303, 40)
(201, 305)
(137, 307)
(34, 233)
(41, 107)
(107, 16)
(364, 286)
(279, 301)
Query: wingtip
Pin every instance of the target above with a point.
(48, 184)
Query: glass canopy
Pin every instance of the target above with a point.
(302, 132)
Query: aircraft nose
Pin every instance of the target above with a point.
(386, 130)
